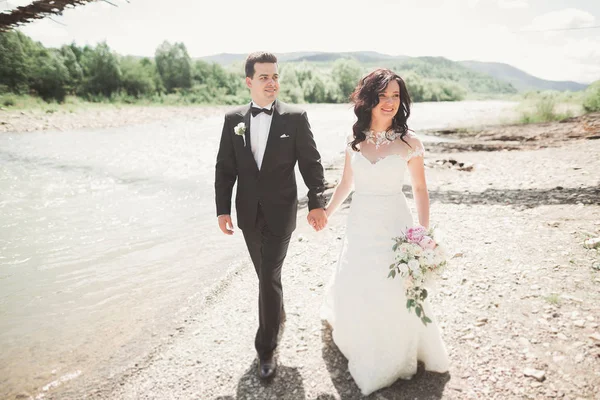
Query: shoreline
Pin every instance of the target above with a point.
(100, 116)
(104, 116)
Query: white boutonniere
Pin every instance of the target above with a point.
(240, 130)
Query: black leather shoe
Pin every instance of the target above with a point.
(266, 367)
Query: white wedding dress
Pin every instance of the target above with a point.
(365, 308)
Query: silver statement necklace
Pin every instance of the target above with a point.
(380, 138)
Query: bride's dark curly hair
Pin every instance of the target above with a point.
(366, 96)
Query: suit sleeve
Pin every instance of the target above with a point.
(309, 162)
(225, 171)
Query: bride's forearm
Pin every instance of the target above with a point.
(421, 197)
(340, 194)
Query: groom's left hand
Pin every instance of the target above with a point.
(317, 218)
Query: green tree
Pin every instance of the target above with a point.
(439, 90)
(591, 101)
(138, 76)
(13, 62)
(101, 70)
(290, 89)
(415, 86)
(50, 76)
(346, 73)
(314, 90)
(333, 93)
(174, 66)
(201, 72)
(72, 64)
(304, 72)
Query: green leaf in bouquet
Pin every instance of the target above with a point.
(392, 266)
(423, 294)
(426, 320)
(392, 273)
(395, 246)
(418, 310)
(410, 303)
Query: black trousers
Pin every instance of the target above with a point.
(267, 252)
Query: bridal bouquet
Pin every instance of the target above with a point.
(417, 257)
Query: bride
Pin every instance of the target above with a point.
(366, 310)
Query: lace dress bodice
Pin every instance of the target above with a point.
(379, 167)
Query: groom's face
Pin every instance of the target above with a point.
(264, 85)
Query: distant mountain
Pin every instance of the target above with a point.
(521, 80)
(314, 56)
(223, 58)
(440, 68)
(229, 58)
(360, 56)
(477, 76)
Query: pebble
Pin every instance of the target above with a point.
(535, 373)
(580, 323)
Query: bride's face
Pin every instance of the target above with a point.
(389, 102)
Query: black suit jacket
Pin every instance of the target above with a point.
(274, 186)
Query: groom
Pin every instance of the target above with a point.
(260, 145)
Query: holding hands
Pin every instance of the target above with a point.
(317, 218)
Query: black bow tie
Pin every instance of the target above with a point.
(255, 111)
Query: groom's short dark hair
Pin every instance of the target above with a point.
(258, 57)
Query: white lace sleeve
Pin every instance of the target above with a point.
(348, 143)
(416, 149)
(415, 152)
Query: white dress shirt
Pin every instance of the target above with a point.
(259, 133)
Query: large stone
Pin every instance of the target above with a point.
(539, 375)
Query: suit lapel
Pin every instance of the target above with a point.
(248, 147)
(276, 127)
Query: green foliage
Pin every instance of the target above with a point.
(98, 74)
(421, 89)
(138, 77)
(560, 97)
(553, 299)
(543, 110)
(50, 77)
(7, 100)
(174, 66)
(101, 70)
(591, 101)
(17, 101)
(314, 90)
(304, 82)
(13, 62)
(290, 87)
(346, 73)
(75, 72)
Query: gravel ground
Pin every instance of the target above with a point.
(101, 116)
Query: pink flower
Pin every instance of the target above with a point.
(427, 243)
(415, 234)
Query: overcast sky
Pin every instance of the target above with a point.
(486, 30)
